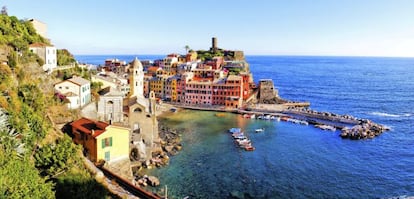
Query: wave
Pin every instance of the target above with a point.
(390, 114)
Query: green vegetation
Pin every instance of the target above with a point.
(19, 178)
(18, 33)
(36, 160)
(205, 55)
(64, 57)
(69, 73)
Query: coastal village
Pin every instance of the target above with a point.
(119, 130)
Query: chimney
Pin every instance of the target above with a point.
(93, 132)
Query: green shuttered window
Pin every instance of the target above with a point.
(106, 142)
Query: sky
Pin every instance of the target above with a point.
(260, 27)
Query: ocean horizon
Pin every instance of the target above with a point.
(297, 161)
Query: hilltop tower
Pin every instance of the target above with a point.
(214, 44)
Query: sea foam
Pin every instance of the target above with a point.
(390, 114)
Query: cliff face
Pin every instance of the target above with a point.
(4, 54)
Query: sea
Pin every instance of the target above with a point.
(298, 161)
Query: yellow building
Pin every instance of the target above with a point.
(100, 140)
(157, 85)
(171, 88)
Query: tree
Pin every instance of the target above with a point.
(4, 10)
(19, 178)
(58, 157)
(187, 48)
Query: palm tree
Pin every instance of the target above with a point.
(187, 48)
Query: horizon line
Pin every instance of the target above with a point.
(264, 55)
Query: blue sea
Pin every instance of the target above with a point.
(296, 161)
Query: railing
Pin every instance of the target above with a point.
(137, 191)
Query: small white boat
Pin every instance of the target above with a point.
(325, 127)
(259, 130)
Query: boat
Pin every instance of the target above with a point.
(325, 127)
(249, 148)
(284, 118)
(253, 116)
(277, 118)
(259, 130)
(243, 142)
(235, 130)
(220, 114)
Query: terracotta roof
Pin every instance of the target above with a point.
(78, 80)
(39, 45)
(153, 68)
(87, 125)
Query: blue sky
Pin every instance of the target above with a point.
(262, 27)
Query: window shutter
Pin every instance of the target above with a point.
(103, 143)
(110, 141)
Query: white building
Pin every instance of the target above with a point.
(110, 105)
(47, 53)
(40, 27)
(77, 90)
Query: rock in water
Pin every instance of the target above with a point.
(153, 181)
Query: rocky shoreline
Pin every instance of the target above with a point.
(170, 145)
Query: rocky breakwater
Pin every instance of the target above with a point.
(361, 128)
(365, 129)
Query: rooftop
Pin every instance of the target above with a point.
(78, 80)
(89, 126)
(39, 45)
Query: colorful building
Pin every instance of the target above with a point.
(227, 92)
(100, 140)
(198, 93)
(171, 88)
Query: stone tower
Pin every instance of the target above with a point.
(136, 79)
(267, 90)
(214, 44)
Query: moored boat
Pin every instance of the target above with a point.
(249, 148)
(325, 127)
(259, 130)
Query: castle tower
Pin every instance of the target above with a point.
(214, 44)
(136, 79)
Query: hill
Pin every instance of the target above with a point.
(37, 160)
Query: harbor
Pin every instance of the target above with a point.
(351, 127)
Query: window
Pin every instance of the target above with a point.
(106, 142)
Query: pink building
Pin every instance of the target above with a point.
(198, 93)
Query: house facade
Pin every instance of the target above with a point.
(47, 53)
(110, 105)
(77, 90)
(100, 140)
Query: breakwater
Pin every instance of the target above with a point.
(351, 127)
